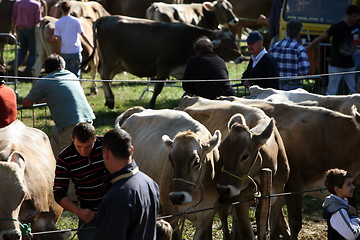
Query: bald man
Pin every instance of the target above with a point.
(206, 65)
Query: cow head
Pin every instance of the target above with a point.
(13, 191)
(223, 11)
(190, 156)
(226, 47)
(240, 156)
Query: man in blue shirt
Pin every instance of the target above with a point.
(291, 56)
(65, 98)
(130, 207)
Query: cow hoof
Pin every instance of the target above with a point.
(110, 104)
(93, 91)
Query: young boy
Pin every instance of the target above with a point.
(342, 219)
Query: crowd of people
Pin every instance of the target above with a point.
(113, 196)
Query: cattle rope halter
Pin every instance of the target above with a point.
(25, 228)
(247, 175)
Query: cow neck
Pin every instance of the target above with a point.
(125, 175)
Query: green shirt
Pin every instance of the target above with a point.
(65, 99)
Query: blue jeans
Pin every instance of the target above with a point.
(334, 80)
(90, 233)
(73, 61)
(26, 39)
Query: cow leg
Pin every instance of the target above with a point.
(157, 90)
(2, 53)
(203, 225)
(294, 205)
(223, 215)
(109, 96)
(278, 224)
(243, 228)
(93, 88)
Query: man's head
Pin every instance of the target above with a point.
(203, 44)
(339, 182)
(2, 73)
(294, 28)
(255, 42)
(352, 14)
(84, 136)
(117, 149)
(65, 6)
(54, 62)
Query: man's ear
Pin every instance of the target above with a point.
(336, 189)
(131, 150)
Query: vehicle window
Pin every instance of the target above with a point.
(318, 11)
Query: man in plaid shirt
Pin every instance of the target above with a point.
(291, 57)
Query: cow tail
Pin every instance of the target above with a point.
(125, 115)
(86, 61)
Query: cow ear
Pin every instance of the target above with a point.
(213, 142)
(168, 142)
(236, 118)
(17, 158)
(265, 135)
(208, 6)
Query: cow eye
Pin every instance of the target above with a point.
(244, 157)
(196, 162)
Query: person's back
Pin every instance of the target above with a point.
(206, 65)
(131, 205)
(291, 57)
(8, 104)
(65, 98)
(341, 218)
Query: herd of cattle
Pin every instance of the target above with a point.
(144, 47)
(203, 153)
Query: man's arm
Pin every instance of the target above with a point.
(347, 227)
(27, 102)
(86, 40)
(317, 40)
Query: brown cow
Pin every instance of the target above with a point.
(131, 8)
(27, 167)
(250, 141)
(206, 15)
(180, 154)
(315, 139)
(147, 48)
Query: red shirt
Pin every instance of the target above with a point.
(8, 105)
(26, 13)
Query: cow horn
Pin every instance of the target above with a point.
(356, 115)
(216, 43)
(236, 118)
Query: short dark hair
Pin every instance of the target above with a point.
(352, 9)
(293, 28)
(335, 178)
(65, 6)
(203, 44)
(54, 62)
(2, 73)
(84, 132)
(118, 141)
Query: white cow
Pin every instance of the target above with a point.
(340, 103)
(180, 154)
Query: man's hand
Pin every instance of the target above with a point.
(351, 210)
(86, 215)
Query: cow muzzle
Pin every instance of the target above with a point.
(227, 191)
(179, 198)
(13, 234)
